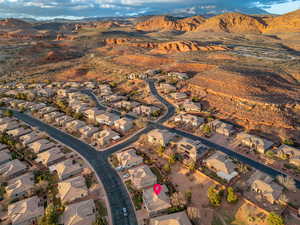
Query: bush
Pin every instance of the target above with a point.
(231, 196)
(275, 219)
(214, 196)
(288, 142)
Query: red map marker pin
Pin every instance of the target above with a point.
(157, 189)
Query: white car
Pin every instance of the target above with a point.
(125, 176)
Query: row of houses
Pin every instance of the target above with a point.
(21, 186)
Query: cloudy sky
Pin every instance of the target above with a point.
(43, 9)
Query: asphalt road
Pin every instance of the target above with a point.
(117, 194)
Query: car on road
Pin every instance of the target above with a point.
(125, 176)
(125, 212)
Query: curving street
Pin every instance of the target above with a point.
(116, 192)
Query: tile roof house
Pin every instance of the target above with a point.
(191, 149)
(190, 106)
(4, 120)
(19, 132)
(72, 189)
(126, 105)
(105, 136)
(264, 185)
(142, 177)
(292, 153)
(50, 157)
(222, 165)
(154, 203)
(9, 126)
(63, 120)
(145, 110)
(178, 95)
(12, 169)
(91, 113)
(26, 211)
(5, 156)
(254, 142)
(221, 127)
(88, 131)
(107, 118)
(113, 98)
(167, 88)
(179, 218)
(3, 146)
(189, 119)
(129, 158)
(47, 110)
(66, 169)
(50, 117)
(74, 125)
(41, 145)
(30, 137)
(160, 137)
(37, 106)
(123, 124)
(20, 186)
(81, 213)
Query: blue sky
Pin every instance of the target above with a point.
(43, 9)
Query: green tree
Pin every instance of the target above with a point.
(8, 113)
(206, 129)
(231, 195)
(214, 196)
(172, 159)
(275, 219)
(167, 167)
(160, 150)
(289, 142)
(50, 217)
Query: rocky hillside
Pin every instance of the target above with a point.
(165, 47)
(228, 22)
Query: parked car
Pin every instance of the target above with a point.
(125, 176)
(125, 212)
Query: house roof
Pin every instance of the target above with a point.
(179, 218)
(50, 155)
(29, 137)
(66, 167)
(5, 155)
(221, 162)
(291, 151)
(129, 156)
(260, 142)
(161, 134)
(41, 145)
(12, 167)
(123, 121)
(141, 173)
(20, 184)
(156, 202)
(19, 131)
(72, 188)
(25, 209)
(81, 213)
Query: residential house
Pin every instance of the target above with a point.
(72, 189)
(189, 119)
(46, 92)
(222, 165)
(63, 92)
(265, 185)
(9, 126)
(167, 88)
(190, 106)
(179, 218)
(81, 213)
(156, 203)
(50, 117)
(129, 158)
(63, 120)
(159, 137)
(124, 124)
(145, 110)
(181, 76)
(191, 149)
(21, 186)
(18, 132)
(30, 137)
(26, 211)
(5, 156)
(47, 110)
(107, 118)
(66, 169)
(41, 145)
(142, 177)
(254, 142)
(221, 127)
(78, 108)
(178, 95)
(292, 153)
(37, 107)
(5, 120)
(92, 113)
(88, 131)
(126, 105)
(12, 169)
(50, 157)
(105, 136)
(74, 125)
(113, 98)
(3, 147)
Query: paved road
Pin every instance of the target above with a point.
(116, 192)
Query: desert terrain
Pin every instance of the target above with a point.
(244, 68)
